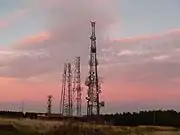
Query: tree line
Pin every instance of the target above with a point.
(14, 114)
(158, 118)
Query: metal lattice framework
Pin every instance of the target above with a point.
(92, 81)
(66, 102)
(49, 104)
(77, 86)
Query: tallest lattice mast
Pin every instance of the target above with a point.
(93, 103)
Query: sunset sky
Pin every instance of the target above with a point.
(138, 45)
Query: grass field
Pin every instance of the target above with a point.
(37, 127)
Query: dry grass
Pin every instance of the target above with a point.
(38, 127)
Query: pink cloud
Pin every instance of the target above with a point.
(12, 18)
(19, 90)
(3, 24)
(126, 92)
(34, 39)
(149, 37)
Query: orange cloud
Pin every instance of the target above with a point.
(33, 39)
(36, 38)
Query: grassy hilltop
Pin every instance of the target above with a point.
(37, 127)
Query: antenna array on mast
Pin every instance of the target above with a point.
(92, 81)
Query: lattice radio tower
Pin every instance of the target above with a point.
(77, 86)
(49, 104)
(66, 102)
(92, 81)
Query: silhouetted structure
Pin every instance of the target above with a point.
(77, 86)
(63, 90)
(49, 104)
(92, 81)
(67, 92)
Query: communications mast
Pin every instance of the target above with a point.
(77, 86)
(66, 103)
(92, 81)
(49, 104)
